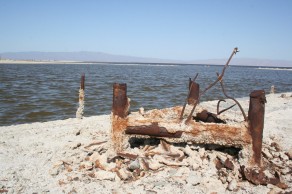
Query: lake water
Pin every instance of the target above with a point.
(45, 92)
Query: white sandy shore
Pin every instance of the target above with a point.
(31, 156)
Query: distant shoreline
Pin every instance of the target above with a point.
(9, 61)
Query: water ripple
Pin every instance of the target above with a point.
(44, 92)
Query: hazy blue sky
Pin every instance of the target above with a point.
(171, 29)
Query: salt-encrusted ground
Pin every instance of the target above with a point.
(57, 157)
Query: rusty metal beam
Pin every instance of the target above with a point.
(196, 132)
(256, 116)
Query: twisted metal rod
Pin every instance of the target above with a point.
(219, 112)
(229, 97)
(235, 50)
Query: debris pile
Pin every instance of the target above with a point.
(188, 164)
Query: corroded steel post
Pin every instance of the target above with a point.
(80, 110)
(256, 115)
(120, 100)
(120, 111)
(82, 82)
(194, 92)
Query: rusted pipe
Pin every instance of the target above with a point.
(152, 130)
(120, 100)
(256, 115)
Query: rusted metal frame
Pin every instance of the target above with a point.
(189, 92)
(235, 50)
(256, 115)
(219, 112)
(229, 97)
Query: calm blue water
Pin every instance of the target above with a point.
(42, 92)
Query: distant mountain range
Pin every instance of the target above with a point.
(104, 57)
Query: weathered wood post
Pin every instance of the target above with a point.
(80, 110)
(256, 115)
(120, 111)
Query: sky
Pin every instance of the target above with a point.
(166, 29)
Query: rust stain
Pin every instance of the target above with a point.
(118, 126)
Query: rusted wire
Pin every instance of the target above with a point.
(229, 97)
(226, 109)
(235, 50)
(219, 112)
(218, 105)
